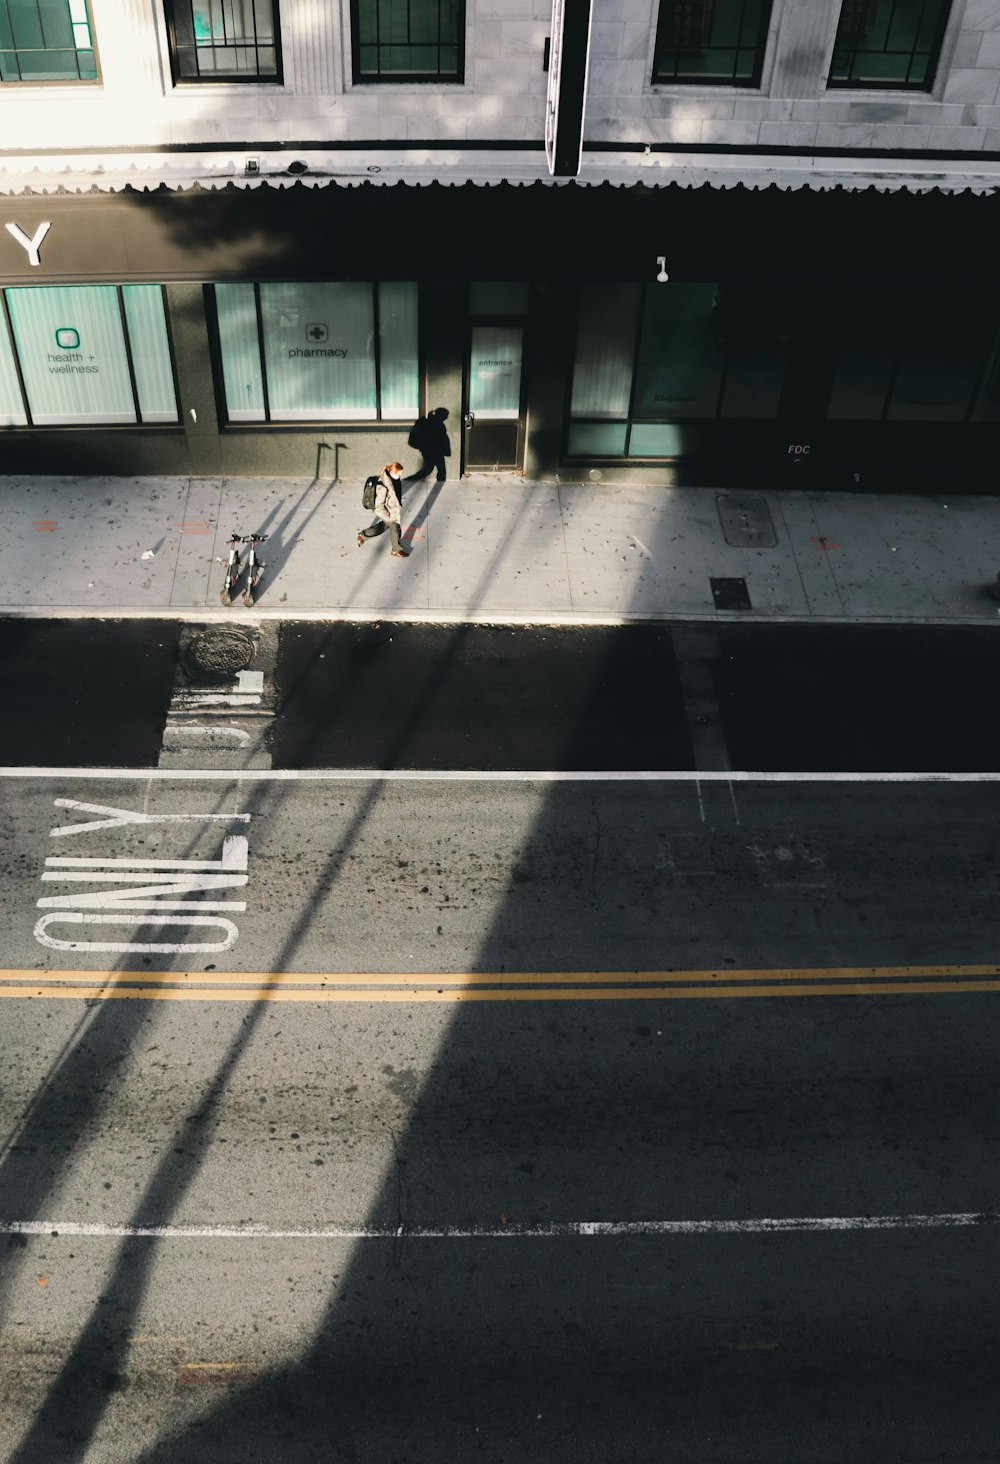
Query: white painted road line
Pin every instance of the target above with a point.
(568, 1230)
(460, 775)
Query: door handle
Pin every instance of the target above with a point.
(470, 417)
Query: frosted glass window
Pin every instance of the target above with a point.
(501, 297)
(597, 439)
(680, 360)
(397, 335)
(662, 439)
(987, 407)
(319, 351)
(495, 371)
(605, 350)
(150, 347)
(236, 307)
(328, 355)
(12, 413)
(754, 378)
(71, 347)
(932, 386)
(861, 383)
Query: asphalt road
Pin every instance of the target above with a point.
(771, 698)
(84, 693)
(451, 1151)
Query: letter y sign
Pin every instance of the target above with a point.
(29, 245)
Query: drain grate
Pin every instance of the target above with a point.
(730, 594)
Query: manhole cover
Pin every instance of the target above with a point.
(218, 654)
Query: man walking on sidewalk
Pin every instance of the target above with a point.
(429, 436)
(388, 500)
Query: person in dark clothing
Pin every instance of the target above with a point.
(430, 437)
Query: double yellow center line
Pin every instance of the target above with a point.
(453, 986)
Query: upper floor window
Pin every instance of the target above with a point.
(888, 43)
(714, 42)
(46, 40)
(408, 40)
(223, 40)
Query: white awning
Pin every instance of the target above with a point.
(313, 167)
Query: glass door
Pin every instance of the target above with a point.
(494, 420)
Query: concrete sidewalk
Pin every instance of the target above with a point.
(496, 548)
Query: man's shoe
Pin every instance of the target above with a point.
(401, 554)
(361, 541)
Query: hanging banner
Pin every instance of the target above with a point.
(565, 101)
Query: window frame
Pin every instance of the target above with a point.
(753, 82)
(309, 424)
(7, 324)
(689, 423)
(429, 78)
(78, 80)
(927, 85)
(216, 78)
(984, 356)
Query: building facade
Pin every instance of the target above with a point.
(715, 241)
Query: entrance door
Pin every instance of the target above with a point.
(494, 429)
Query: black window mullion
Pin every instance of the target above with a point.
(639, 332)
(128, 353)
(171, 352)
(263, 356)
(377, 349)
(17, 360)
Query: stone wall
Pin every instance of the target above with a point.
(503, 97)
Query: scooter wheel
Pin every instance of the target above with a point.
(247, 599)
(224, 598)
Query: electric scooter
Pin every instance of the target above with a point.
(254, 567)
(234, 568)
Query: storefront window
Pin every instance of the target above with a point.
(12, 413)
(651, 360)
(331, 352)
(92, 353)
(679, 370)
(987, 405)
(902, 356)
(605, 350)
(236, 313)
(147, 335)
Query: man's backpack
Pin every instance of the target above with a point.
(368, 492)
